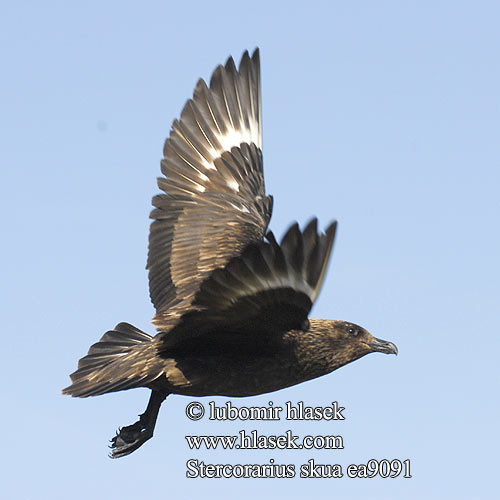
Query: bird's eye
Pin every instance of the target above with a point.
(351, 331)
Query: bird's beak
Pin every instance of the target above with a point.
(380, 345)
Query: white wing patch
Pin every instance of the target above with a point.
(234, 138)
(233, 184)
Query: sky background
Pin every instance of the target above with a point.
(384, 115)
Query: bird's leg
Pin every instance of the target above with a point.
(131, 437)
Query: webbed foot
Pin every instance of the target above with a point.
(131, 437)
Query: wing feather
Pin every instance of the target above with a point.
(267, 290)
(213, 203)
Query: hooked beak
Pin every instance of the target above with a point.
(380, 345)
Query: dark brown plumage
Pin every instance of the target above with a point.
(231, 303)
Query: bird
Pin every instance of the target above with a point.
(232, 303)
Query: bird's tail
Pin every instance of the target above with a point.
(124, 358)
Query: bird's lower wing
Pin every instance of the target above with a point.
(269, 289)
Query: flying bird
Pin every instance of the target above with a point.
(232, 304)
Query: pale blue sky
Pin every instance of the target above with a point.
(382, 114)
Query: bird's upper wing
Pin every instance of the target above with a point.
(214, 202)
(267, 290)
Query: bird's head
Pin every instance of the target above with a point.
(358, 340)
(341, 342)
